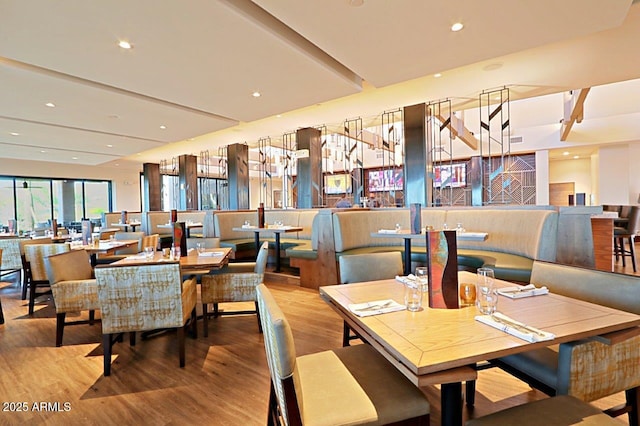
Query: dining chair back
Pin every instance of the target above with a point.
(233, 284)
(143, 298)
(73, 286)
(150, 241)
(352, 385)
(34, 256)
(629, 232)
(367, 267)
(26, 275)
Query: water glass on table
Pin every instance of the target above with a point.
(486, 292)
(413, 295)
(148, 253)
(200, 247)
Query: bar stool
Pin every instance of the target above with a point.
(629, 232)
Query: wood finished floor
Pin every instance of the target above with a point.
(225, 381)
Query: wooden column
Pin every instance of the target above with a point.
(415, 156)
(188, 179)
(309, 178)
(152, 191)
(238, 165)
(602, 230)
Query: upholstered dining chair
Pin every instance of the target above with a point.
(348, 385)
(73, 286)
(34, 256)
(236, 282)
(144, 298)
(367, 267)
(26, 275)
(12, 261)
(629, 232)
(150, 241)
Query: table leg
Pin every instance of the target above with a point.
(451, 404)
(94, 259)
(407, 256)
(277, 251)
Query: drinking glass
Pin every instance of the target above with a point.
(148, 253)
(422, 277)
(486, 292)
(200, 248)
(175, 253)
(413, 296)
(467, 294)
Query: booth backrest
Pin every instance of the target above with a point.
(352, 229)
(109, 218)
(151, 220)
(527, 232)
(618, 291)
(225, 221)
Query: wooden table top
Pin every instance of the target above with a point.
(269, 228)
(434, 340)
(104, 246)
(192, 261)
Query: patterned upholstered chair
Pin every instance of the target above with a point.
(557, 411)
(34, 255)
(349, 385)
(588, 369)
(144, 298)
(26, 275)
(74, 289)
(235, 283)
(12, 260)
(367, 267)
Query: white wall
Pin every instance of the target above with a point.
(542, 178)
(614, 178)
(573, 170)
(126, 182)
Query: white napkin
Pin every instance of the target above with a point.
(387, 231)
(409, 279)
(376, 307)
(139, 256)
(515, 328)
(518, 292)
(475, 235)
(210, 253)
(248, 226)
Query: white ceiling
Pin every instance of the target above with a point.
(194, 66)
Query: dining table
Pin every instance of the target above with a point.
(276, 230)
(107, 247)
(207, 259)
(125, 226)
(436, 341)
(408, 236)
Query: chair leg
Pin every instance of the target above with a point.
(132, 338)
(181, 345)
(106, 343)
(1, 314)
(194, 323)
(272, 416)
(215, 310)
(92, 316)
(345, 334)
(59, 328)
(632, 251)
(25, 285)
(205, 320)
(258, 316)
(32, 296)
(632, 396)
(622, 253)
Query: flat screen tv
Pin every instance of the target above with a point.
(385, 180)
(450, 175)
(337, 184)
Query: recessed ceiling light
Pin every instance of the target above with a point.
(74, 158)
(43, 151)
(575, 157)
(457, 27)
(109, 146)
(125, 44)
(117, 164)
(256, 94)
(565, 153)
(437, 75)
(14, 134)
(279, 116)
(50, 104)
(163, 126)
(355, 3)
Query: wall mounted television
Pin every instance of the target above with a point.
(450, 175)
(337, 184)
(386, 180)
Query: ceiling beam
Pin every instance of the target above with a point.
(458, 130)
(573, 110)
